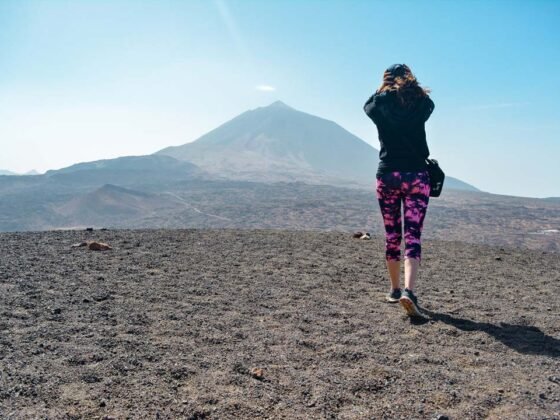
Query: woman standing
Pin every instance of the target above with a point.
(399, 109)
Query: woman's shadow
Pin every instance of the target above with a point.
(524, 339)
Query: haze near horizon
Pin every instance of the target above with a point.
(90, 80)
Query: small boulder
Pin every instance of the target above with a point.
(93, 245)
(257, 373)
(99, 246)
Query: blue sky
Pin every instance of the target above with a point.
(85, 80)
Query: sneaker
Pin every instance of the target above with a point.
(393, 296)
(410, 303)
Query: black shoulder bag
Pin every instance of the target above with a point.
(437, 176)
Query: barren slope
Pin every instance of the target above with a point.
(170, 323)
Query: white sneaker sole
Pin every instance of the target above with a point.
(409, 306)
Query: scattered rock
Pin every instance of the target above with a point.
(101, 297)
(198, 415)
(257, 373)
(99, 246)
(360, 235)
(555, 379)
(181, 373)
(440, 417)
(91, 378)
(93, 245)
(238, 367)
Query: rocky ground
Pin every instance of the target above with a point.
(271, 324)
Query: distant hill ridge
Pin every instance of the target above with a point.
(128, 170)
(10, 173)
(278, 142)
(131, 163)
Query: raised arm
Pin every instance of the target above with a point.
(371, 107)
(428, 108)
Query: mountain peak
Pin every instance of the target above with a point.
(279, 104)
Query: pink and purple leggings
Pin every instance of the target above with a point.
(412, 189)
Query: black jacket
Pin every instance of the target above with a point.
(401, 132)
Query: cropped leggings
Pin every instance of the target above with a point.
(412, 189)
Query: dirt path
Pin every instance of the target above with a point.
(171, 324)
(196, 209)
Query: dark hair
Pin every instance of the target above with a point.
(399, 79)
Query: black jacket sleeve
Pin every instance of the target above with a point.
(371, 107)
(428, 108)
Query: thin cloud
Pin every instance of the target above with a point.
(265, 88)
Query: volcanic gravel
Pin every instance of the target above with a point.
(223, 324)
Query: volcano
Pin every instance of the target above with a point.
(280, 143)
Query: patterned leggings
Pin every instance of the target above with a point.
(412, 189)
